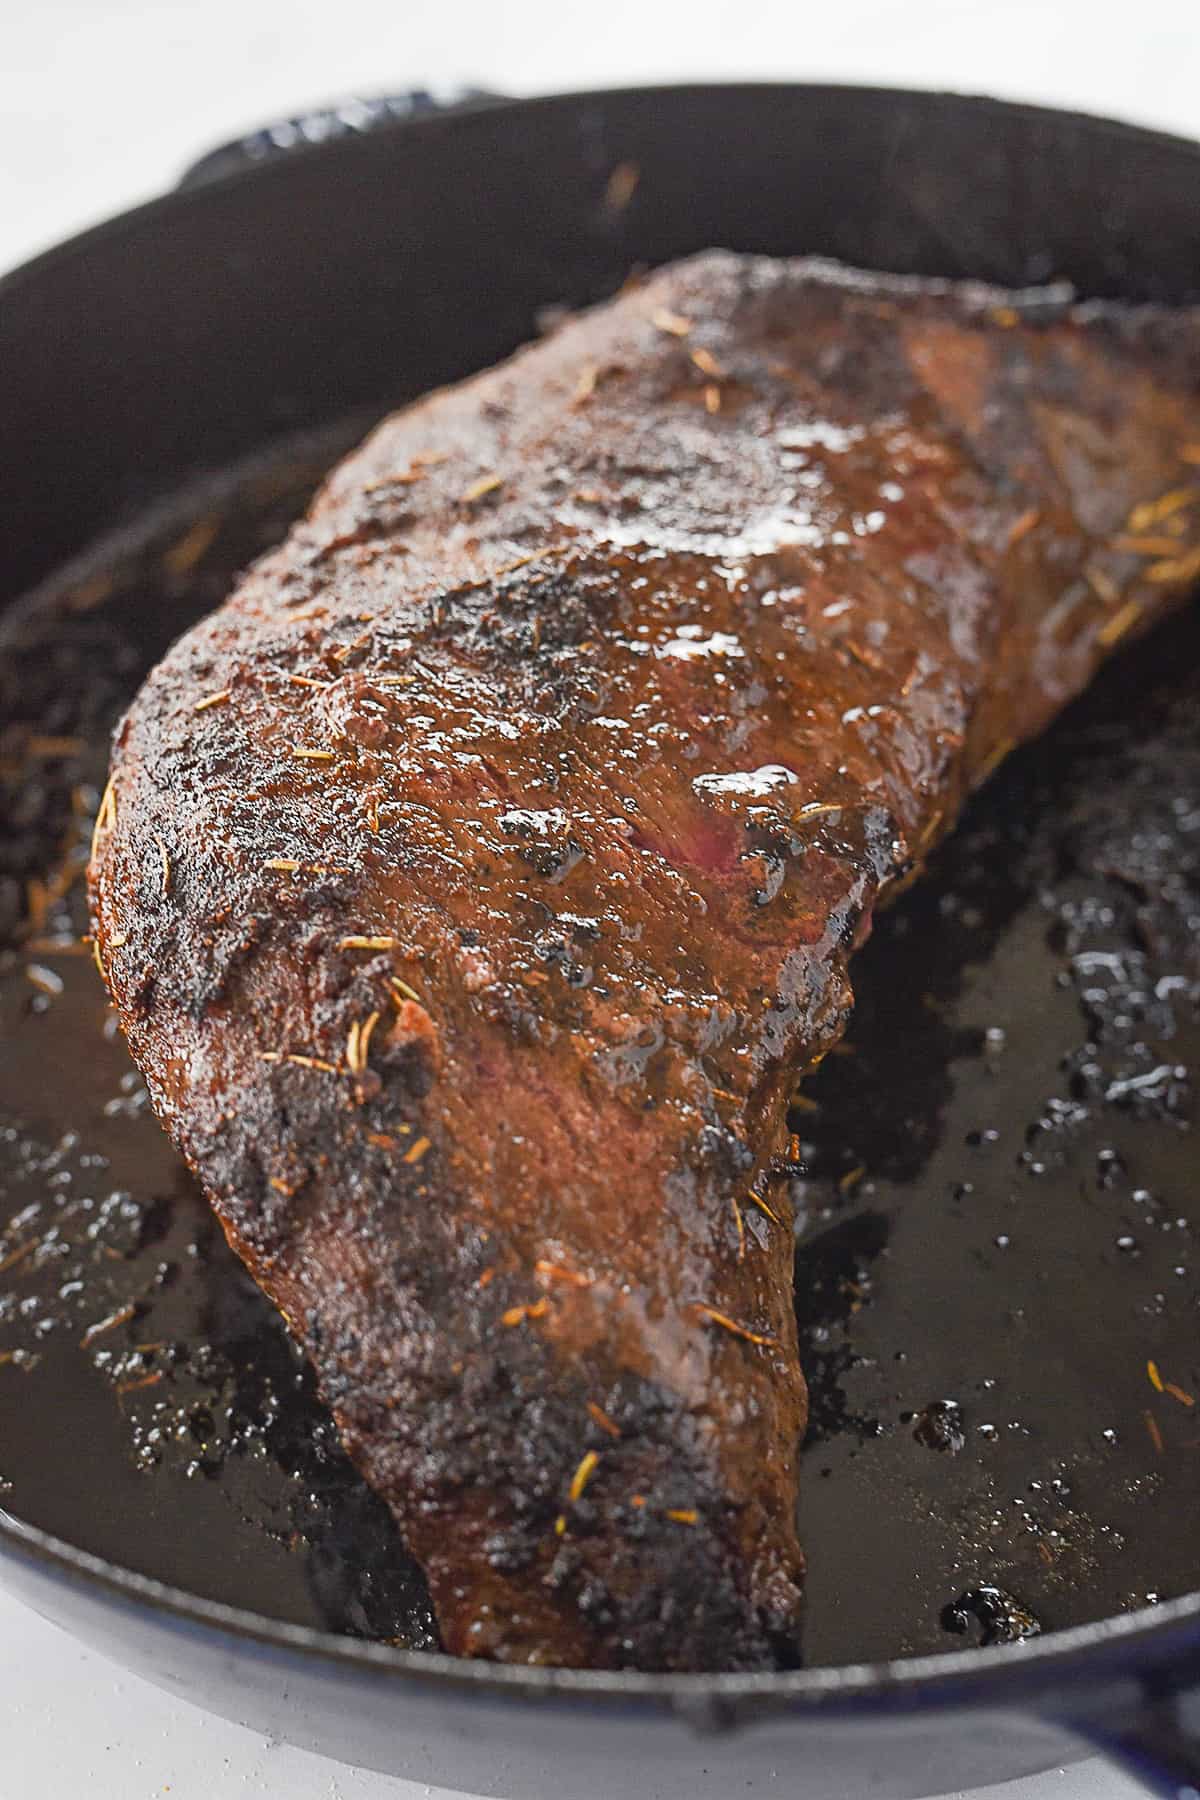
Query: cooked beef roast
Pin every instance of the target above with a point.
(475, 884)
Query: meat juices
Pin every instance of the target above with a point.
(476, 883)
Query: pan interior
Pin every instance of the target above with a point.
(997, 1282)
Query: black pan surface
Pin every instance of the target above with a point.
(997, 1281)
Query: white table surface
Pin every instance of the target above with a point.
(102, 102)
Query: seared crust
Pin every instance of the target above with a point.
(475, 883)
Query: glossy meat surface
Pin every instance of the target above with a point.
(475, 884)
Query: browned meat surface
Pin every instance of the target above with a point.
(475, 884)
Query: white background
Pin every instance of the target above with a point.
(102, 102)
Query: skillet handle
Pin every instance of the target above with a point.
(352, 117)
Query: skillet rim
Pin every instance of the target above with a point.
(998, 1674)
(465, 113)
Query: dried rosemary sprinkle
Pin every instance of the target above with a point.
(1155, 1378)
(286, 864)
(399, 478)
(556, 1272)
(1145, 546)
(741, 1227)
(417, 1151)
(1121, 622)
(43, 744)
(516, 1315)
(757, 1200)
(364, 1036)
(583, 1474)
(621, 186)
(850, 1180)
(56, 946)
(683, 1515)
(727, 1324)
(187, 551)
(301, 1061)
(707, 363)
(312, 755)
(217, 699)
(1152, 512)
(487, 484)
(585, 387)
(109, 1324)
(994, 758)
(599, 1417)
(358, 1043)
(46, 980)
(142, 1381)
(308, 681)
(106, 817)
(367, 943)
(1022, 526)
(345, 651)
(712, 399)
(673, 323)
(17, 1256)
(90, 594)
(521, 562)
(864, 658)
(37, 902)
(1103, 585)
(403, 991)
(1155, 1435)
(1176, 568)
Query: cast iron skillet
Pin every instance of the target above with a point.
(170, 384)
